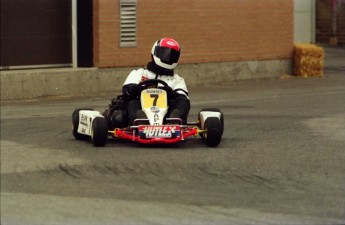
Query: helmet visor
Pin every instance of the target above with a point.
(167, 55)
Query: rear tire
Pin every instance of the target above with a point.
(213, 129)
(75, 124)
(99, 133)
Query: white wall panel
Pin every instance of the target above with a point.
(304, 21)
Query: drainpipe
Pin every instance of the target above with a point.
(74, 34)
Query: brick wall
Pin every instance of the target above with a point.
(324, 20)
(208, 31)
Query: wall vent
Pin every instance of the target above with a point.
(128, 23)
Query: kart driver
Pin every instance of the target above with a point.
(165, 54)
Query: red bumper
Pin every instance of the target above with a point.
(133, 135)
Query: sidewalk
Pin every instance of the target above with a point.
(66, 82)
(71, 82)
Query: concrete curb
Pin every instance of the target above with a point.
(28, 84)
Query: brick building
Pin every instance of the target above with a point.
(208, 31)
(103, 40)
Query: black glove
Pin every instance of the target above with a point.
(177, 92)
(170, 92)
(116, 103)
(130, 91)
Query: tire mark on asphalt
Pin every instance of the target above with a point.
(154, 174)
(72, 172)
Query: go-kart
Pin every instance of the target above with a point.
(156, 129)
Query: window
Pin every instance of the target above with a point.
(128, 23)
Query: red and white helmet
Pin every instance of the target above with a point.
(166, 53)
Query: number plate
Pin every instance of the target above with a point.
(154, 98)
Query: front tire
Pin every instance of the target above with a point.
(214, 110)
(213, 131)
(99, 132)
(75, 124)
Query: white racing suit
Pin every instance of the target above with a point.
(178, 102)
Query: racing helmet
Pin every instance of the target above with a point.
(166, 53)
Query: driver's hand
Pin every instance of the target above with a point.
(130, 91)
(153, 86)
(170, 92)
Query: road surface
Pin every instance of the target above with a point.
(281, 161)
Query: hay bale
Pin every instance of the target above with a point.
(308, 60)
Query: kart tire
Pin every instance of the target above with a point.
(215, 110)
(99, 131)
(212, 135)
(75, 124)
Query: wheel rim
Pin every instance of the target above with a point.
(205, 133)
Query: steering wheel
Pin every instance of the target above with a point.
(154, 82)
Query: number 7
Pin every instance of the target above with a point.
(155, 96)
